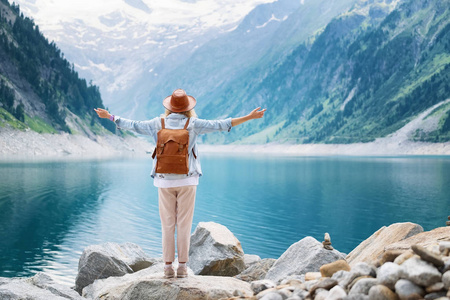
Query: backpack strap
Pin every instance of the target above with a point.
(187, 123)
(162, 123)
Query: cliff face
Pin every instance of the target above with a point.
(39, 88)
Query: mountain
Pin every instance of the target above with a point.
(126, 46)
(365, 75)
(39, 88)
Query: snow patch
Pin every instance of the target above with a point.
(272, 18)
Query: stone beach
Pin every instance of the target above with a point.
(400, 261)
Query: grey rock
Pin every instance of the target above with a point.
(38, 287)
(109, 259)
(389, 274)
(446, 280)
(336, 293)
(341, 276)
(381, 292)
(151, 284)
(326, 284)
(358, 270)
(214, 250)
(261, 285)
(407, 290)
(363, 286)
(306, 255)
(257, 270)
(272, 296)
(420, 272)
(250, 259)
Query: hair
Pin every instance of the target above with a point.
(190, 113)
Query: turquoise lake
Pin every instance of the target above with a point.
(50, 211)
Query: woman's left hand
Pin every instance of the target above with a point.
(255, 114)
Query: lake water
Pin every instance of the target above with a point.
(50, 211)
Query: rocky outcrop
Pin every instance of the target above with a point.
(374, 246)
(307, 255)
(38, 287)
(214, 250)
(425, 239)
(151, 284)
(109, 259)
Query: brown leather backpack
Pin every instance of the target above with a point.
(171, 150)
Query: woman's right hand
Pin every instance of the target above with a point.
(102, 113)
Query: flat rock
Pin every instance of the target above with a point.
(214, 250)
(420, 272)
(425, 239)
(326, 283)
(151, 284)
(428, 255)
(328, 270)
(109, 259)
(306, 255)
(359, 270)
(374, 246)
(38, 287)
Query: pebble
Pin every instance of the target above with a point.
(363, 286)
(436, 295)
(381, 292)
(337, 292)
(326, 283)
(272, 296)
(427, 255)
(312, 276)
(389, 274)
(389, 256)
(446, 279)
(437, 287)
(404, 257)
(407, 290)
(420, 272)
(258, 286)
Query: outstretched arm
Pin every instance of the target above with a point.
(142, 127)
(255, 114)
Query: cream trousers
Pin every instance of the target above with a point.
(176, 209)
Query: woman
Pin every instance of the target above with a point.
(177, 191)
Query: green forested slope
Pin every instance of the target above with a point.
(368, 73)
(39, 88)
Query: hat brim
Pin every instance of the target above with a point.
(192, 103)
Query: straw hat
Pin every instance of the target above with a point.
(179, 101)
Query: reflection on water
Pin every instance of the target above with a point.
(49, 212)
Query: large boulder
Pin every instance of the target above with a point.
(109, 259)
(371, 248)
(38, 287)
(306, 255)
(214, 250)
(425, 239)
(151, 284)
